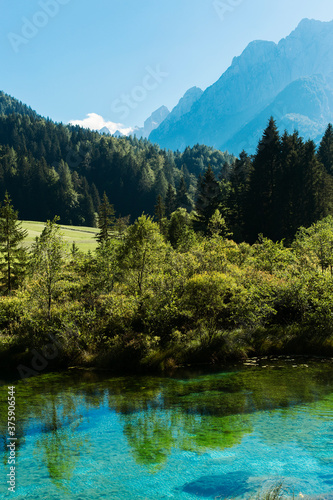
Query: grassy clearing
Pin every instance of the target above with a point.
(83, 236)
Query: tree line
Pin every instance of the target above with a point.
(288, 183)
(52, 169)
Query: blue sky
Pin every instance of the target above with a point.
(122, 59)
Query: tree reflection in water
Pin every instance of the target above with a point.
(199, 414)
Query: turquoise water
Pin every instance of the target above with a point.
(192, 436)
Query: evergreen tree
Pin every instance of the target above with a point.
(11, 237)
(239, 178)
(291, 185)
(74, 250)
(161, 184)
(87, 213)
(170, 200)
(325, 152)
(121, 225)
(106, 220)
(182, 198)
(217, 226)
(317, 193)
(95, 196)
(160, 211)
(207, 199)
(67, 197)
(262, 206)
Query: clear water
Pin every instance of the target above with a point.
(193, 436)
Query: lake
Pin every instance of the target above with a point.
(194, 435)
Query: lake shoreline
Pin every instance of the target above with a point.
(30, 362)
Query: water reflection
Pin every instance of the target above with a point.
(158, 417)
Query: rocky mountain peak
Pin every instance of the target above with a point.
(250, 86)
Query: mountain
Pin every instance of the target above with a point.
(184, 106)
(155, 119)
(246, 93)
(118, 134)
(163, 119)
(106, 131)
(305, 105)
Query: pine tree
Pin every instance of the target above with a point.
(262, 210)
(11, 237)
(239, 178)
(217, 226)
(292, 185)
(67, 197)
(207, 199)
(87, 213)
(170, 200)
(317, 192)
(182, 198)
(95, 196)
(325, 152)
(160, 211)
(106, 220)
(180, 230)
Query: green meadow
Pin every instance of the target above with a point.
(84, 237)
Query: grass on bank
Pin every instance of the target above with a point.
(81, 235)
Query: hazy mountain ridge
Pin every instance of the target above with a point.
(288, 108)
(183, 107)
(163, 118)
(151, 123)
(250, 86)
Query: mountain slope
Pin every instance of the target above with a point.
(250, 84)
(182, 108)
(154, 120)
(305, 105)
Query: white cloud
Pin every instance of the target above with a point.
(96, 122)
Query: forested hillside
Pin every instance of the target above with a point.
(50, 168)
(10, 105)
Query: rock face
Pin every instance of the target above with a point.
(254, 85)
(155, 119)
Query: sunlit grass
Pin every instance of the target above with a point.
(81, 235)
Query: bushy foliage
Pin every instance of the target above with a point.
(183, 287)
(141, 302)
